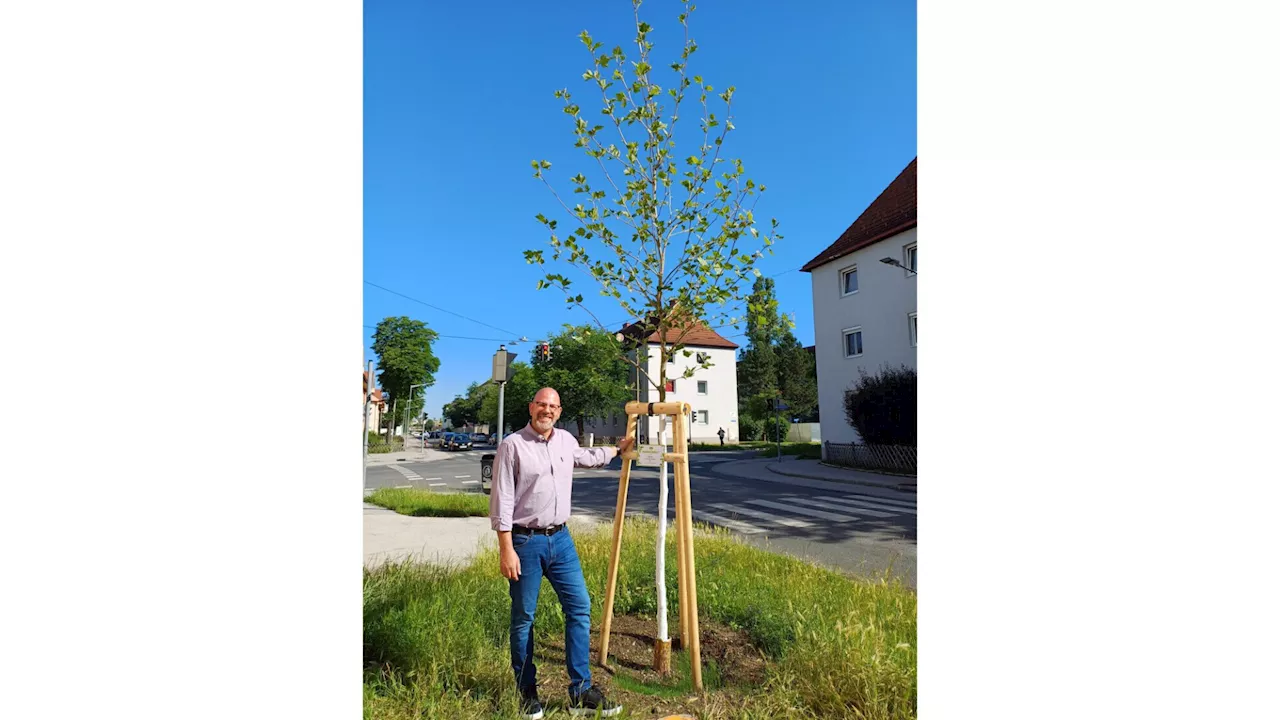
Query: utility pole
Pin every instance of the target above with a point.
(778, 407)
(368, 393)
(408, 410)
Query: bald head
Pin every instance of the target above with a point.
(545, 410)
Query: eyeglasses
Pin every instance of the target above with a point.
(546, 406)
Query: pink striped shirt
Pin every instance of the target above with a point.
(533, 477)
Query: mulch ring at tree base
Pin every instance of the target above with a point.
(740, 666)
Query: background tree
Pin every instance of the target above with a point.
(429, 425)
(797, 377)
(588, 370)
(773, 365)
(758, 363)
(464, 410)
(677, 234)
(403, 347)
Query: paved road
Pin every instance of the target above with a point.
(860, 529)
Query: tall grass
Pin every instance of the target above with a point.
(436, 637)
(424, 503)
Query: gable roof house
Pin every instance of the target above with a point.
(864, 309)
(712, 392)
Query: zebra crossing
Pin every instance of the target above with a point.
(752, 517)
(409, 475)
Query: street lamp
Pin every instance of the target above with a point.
(895, 263)
(410, 407)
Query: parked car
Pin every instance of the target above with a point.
(479, 438)
(456, 441)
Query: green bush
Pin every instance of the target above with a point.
(749, 428)
(882, 407)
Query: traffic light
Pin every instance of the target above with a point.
(543, 352)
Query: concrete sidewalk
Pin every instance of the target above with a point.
(413, 454)
(392, 537)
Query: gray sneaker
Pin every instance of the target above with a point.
(592, 703)
(530, 706)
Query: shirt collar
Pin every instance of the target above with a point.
(536, 436)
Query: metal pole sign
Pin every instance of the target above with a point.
(779, 406)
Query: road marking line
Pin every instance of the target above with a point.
(403, 487)
(742, 527)
(803, 511)
(864, 503)
(909, 504)
(470, 482)
(841, 508)
(437, 484)
(434, 479)
(459, 477)
(738, 509)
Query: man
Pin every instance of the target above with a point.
(721, 434)
(528, 507)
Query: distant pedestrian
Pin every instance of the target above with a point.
(721, 434)
(529, 509)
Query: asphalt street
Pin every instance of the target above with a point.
(867, 531)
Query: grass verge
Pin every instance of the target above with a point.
(435, 638)
(424, 503)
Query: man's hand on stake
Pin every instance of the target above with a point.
(625, 444)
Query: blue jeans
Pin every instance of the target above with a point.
(556, 558)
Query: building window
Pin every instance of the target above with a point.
(849, 281)
(702, 387)
(909, 259)
(671, 386)
(911, 326)
(852, 342)
(702, 417)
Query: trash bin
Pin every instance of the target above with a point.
(486, 472)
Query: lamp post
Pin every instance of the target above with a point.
(895, 263)
(409, 408)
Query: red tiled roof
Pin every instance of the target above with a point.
(894, 211)
(699, 335)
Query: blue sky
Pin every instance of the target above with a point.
(459, 98)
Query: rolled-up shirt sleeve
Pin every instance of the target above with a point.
(502, 495)
(593, 457)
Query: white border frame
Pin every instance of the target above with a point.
(845, 271)
(844, 344)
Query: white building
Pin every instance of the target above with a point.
(864, 310)
(712, 392)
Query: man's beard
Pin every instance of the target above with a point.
(543, 424)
